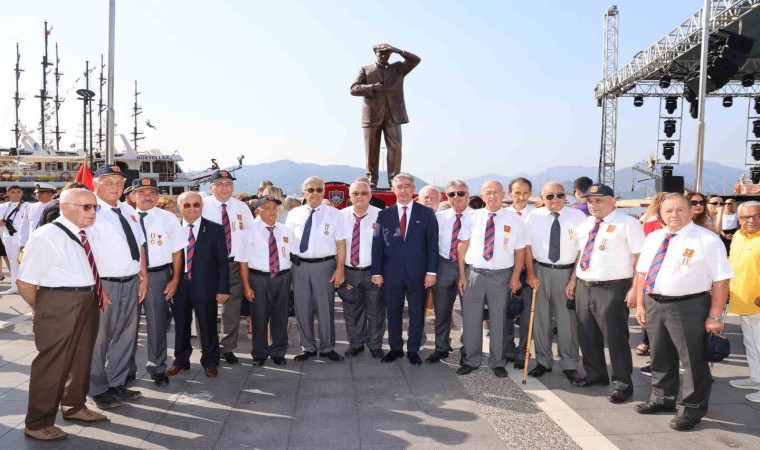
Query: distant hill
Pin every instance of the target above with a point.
(289, 175)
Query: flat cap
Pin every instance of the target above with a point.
(106, 169)
(222, 175)
(599, 190)
(144, 183)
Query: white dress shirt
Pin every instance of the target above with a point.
(53, 259)
(326, 229)
(256, 250)
(6, 209)
(696, 258)
(164, 236)
(239, 214)
(538, 225)
(446, 221)
(186, 233)
(114, 258)
(400, 208)
(523, 213)
(366, 229)
(620, 237)
(509, 235)
(31, 219)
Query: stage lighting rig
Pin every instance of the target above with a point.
(638, 101)
(670, 127)
(689, 95)
(668, 150)
(694, 109)
(665, 81)
(757, 105)
(754, 174)
(756, 128)
(671, 104)
(748, 80)
(728, 102)
(755, 153)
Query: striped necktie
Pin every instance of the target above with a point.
(654, 269)
(356, 240)
(455, 237)
(227, 230)
(402, 224)
(189, 252)
(93, 267)
(274, 258)
(589, 248)
(489, 238)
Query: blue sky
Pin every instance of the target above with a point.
(503, 86)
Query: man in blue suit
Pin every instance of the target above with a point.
(404, 263)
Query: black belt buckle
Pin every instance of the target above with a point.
(231, 259)
(295, 259)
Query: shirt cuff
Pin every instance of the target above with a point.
(430, 273)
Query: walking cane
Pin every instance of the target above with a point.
(530, 335)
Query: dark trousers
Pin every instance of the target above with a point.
(603, 316)
(231, 310)
(187, 300)
(365, 319)
(269, 310)
(65, 327)
(414, 291)
(392, 132)
(445, 294)
(677, 332)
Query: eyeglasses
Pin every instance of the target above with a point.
(87, 206)
(453, 194)
(755, 217)
(313, 190)
(717, 204)
(224, 185)
(191, 205)
(559, 195)
(697, 203)
(360, 194)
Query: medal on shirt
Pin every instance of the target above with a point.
(610, 228)
(327, 229)
(374, 225)
(507, 230)
(160, 242)
(506, 243)
(153, 239)
(570, 234)
(687, 255)
(233, 226)
(134, 219)
(603, 245)
(240, 221)
(284, 254)
(285, 239)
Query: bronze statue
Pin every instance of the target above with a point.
(382, 86)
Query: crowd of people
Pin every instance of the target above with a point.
(89, 272)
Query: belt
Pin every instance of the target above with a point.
(555, 266)
(119, 279)
(491, 271)
(231, 259)
(70, 288)
(670, 298)
(311, 260)
(359, 269)
(267, 274)
(159, 268)
(602, 283)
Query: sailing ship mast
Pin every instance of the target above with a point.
(88, 102)
(57, 101)
(136, 111)
(16, 98)
(43, 92)
(101, 107)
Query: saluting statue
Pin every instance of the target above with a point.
(382, 86)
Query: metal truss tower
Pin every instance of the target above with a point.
(609, 102)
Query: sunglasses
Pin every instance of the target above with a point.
(87, 206)
(313, 190)
(697, 203)
(717, 204)
(191, 205)
(748, 218)
(453, 194)
(559, 195)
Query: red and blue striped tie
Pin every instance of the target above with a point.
(356, 240)
(227, 231)
(455, 237)
(274, 258)
(589, 249)
(489, 238)
(654, 269)
(189, 252)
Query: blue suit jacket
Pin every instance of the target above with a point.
(396, 259)
(211, 273)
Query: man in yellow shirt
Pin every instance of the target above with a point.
(745, 291)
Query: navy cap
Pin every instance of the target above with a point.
(515, 306)
(106, 169)
(144, 183)
(265, 199)
(717, 349)
(222, 175)
(599, 190)
(44, 187)
(348, 293)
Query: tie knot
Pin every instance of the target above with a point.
(491, 215)
(190, 225)
(224, 206)
(669, 236)
(142, 214)
(404, 208)
(597, 221)
(116, 210)
(359, 218)
(82, 234)
(458, 215)
(271, 229)
(555, 214)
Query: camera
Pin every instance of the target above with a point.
(11, 229)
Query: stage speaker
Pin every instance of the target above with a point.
(672, 183)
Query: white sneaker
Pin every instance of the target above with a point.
(753, 397)
(745, 383)
(10, 291)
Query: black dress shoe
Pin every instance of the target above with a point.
(465, 370)
(230, 358)
(354, 351)
(500, 372)
(332, 356)
(437, 356)
(572, 374)
(377, 353)
(303, 356)
(683, 423)
(124, 394)
(131, 378)
(653, 408)
(160, 378)
(538, 371)
(509, 360)
(414, 358)
(392, 356)
(106, 400)
(585, 382)
(259, 361)
(279, 360)
(619, 396)
(519, 365)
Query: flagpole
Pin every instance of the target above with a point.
(110, 111)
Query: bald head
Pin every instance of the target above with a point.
(493, 194)
(190, 205)
(78, 206)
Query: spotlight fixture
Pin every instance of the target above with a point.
(755, 153)
(638, 101)
(668, 150)
(756, 128)
(670, 127)
(689, 94)
(671, 104)
(728, 102)
(694, 109)
(665, 81)
(748, 79)
(754, 174)
(757, 105)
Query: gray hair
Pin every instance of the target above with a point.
(455, 183)
(403, 175)
(431, 188)
(290, 203)
(68, 196)
(312, 180)
(274, 191)
(748, 204)
(360, 181)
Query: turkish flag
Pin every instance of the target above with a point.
(84, 176)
